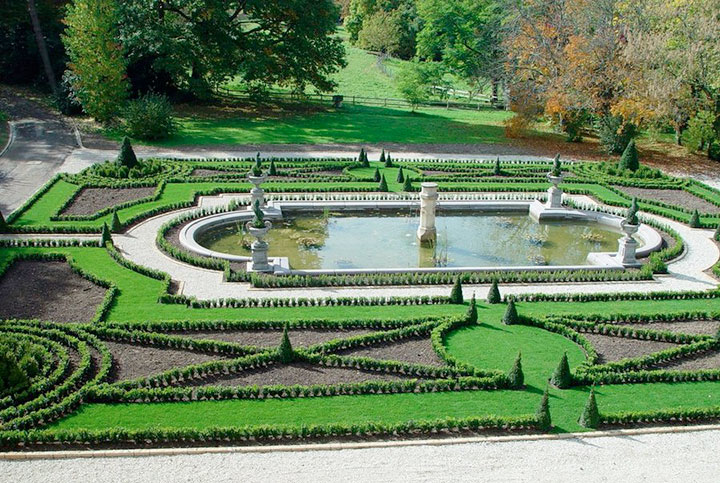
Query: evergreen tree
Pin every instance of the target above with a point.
(3, 223)
(543, 412)
(590, 417)
(273, 170)
(105, 237)
(511, 315)
(472, 314)
(115, 225)
(127, 156)
(516, 376)
(695, 220)
(562, 378)
(494, 294)
(382, 156)
(456, 295)
(407, 184)
(400, 176)
(285, 350)
(497, 171)
(376, 175)
(388, 161)
(383, 184)
(361, 157)
(630, 159)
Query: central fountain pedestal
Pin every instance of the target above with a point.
(259, 248)
(627, 248)
(428, 202)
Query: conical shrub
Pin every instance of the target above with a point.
(382, 156)
(407, 184)
(496, 170)
(494, 296)
(3, 223)
(361, 156)
(105, 236)
(511, 315)
(456, 294)
(400, 176)
(630, 158)
(516, 376)
(590, 417)
(376, 175)
(285, 350)
(695, 220)
(472, 314)
(388, 161)
(115, 225)
(562, 378)
(383, 184)
(543, 412)
(127, 156)
(272, 171)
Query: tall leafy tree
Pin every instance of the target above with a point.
(96, 57)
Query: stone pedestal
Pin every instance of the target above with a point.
(554, 193)
(259, 248)
(627, 246)
(257, 193)
(428, 202)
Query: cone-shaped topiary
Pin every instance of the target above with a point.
(590, 417)
(3, 223)
(717, 231)
(382, 156)
(388, 161)
(407, 184)
(285, 350)
(472, 315)
(456, 295)
(494, 294)
(115, 225)
(511, 315)
(516, 376)
(105, 237)
(695, 220)
(561, 378)
(631, 218)
(257, 167)
(361, 156)
(272, 171)
(127, 156)
(630, 159)
(557, 167)
(383, 184)
(376, 175)
(543, 412)
(496, 170)
(400, 177)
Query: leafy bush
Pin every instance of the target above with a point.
(700, 133)
(19, 362)
(149, 117)
(615, 134)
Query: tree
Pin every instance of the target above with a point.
(542, 415)
(590, 417)
(414, 84)
(400, 177)
(562, 378)
(42, 47)
(629, 159)
(387, 26)
(456, 294)
(493, 296)
(115, 225)
(198, 44)
(96, 57)
(105, 236)
(511, 315)
(127, 156)
(516, 376)
(285, 349)
(472, 314)
(383, 187)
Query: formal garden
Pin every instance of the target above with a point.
(117, 333)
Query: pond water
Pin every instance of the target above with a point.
(388, 240)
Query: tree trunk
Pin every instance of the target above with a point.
(494, 95)
(42, 47)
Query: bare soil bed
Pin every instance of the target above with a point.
(92, 200)
(33, 289)
(611, 348)
(414, 351)
(682, 327)
(298, 374)
(673, 197)
(204, 173)
(271, 338)
(706, 360)
(133, 361)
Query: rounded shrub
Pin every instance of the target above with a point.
(149, 117)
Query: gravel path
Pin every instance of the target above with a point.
(668, 457)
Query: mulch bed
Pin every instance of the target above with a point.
(673, 197)
(33, 289)
(271, 338)
(414, 351)
(611, 348)
(132, 361)
(298, 374)
(682, 327)
(92, 200)
(706, 360)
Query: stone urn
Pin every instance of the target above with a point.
(627, 245)
(259, 247)
(555, 180)
(257, 193)
(629, 229)
(554, 193)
